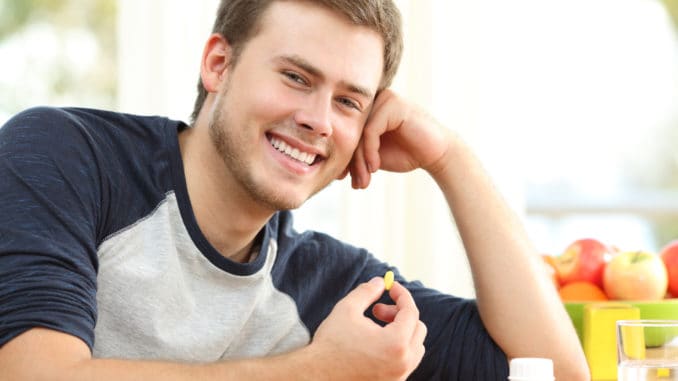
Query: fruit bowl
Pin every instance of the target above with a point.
(656, 309)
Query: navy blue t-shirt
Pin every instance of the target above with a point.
(98, 240)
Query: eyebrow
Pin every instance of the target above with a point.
(316, 72)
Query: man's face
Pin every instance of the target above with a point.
(290, 113)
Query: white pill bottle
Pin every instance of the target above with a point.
(531, 369)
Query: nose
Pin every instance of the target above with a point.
(315, 115)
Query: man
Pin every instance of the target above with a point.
(137, 248)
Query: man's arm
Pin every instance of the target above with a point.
(43, 354)
(399, 137)
(347, 346)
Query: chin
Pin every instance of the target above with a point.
(278, 200)
(281, 205)
(281, 194)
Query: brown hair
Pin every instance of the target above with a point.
(237, 21)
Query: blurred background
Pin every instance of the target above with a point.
(570, 104)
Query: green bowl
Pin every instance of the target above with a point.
(657, 309)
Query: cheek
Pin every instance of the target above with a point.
(347, 136)
(266, 105)
(262, 100)
(351, 130)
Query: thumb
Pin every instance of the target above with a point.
(365, 294)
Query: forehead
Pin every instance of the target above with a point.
(341, 50)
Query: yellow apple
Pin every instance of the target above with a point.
(635, 275)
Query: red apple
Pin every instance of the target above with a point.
(583, 260)
(635, 275)
(669, 255)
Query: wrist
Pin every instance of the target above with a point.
(440, 167)
(303, 364)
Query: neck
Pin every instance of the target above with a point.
(228, 220)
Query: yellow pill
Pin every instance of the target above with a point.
(388, 280)
(663, 372)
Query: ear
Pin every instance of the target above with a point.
(214, 64)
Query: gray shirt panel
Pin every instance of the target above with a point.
(160, 298)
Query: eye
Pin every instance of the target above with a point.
(294, 77)
(347, 102)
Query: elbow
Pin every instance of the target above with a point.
(573, 371)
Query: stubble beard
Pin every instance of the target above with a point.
(233, 154)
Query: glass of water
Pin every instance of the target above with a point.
(647, 350)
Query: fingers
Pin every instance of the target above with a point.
(361, 167)
(384, 312)
(360, 175)
(403, 317)
(387, 312)
(408, 312)
(418, 343)
(387, 115)
(419, 334)
(407, 332)
(376, 125)
(364, 295)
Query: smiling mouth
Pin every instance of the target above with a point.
(294, 153)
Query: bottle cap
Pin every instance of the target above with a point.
(531, 369)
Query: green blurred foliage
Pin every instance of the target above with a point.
(672, 8)
(49, 79)
(14, 14)
(97, 15)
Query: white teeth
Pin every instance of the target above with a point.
(304, 157)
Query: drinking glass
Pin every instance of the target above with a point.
(647, 350)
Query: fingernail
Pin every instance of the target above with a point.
(369, 168)
(377, 281)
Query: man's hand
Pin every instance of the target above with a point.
(356, 348)
(398, 137)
